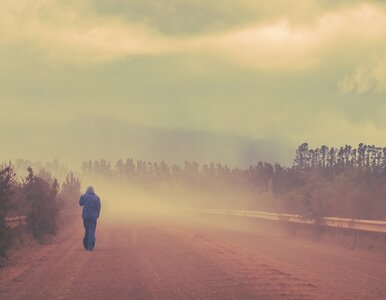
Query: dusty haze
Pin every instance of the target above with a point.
(231, 81)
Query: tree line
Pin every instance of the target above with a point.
(326, 181)
(368, 158)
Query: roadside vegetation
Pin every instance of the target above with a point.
(7, 182)
(38, 197)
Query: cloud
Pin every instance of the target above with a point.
(283, 45)
(369, 77)
(189, 17)
(73, 31)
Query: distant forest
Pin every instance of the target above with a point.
(326, 181)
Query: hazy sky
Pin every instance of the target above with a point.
(232, 81)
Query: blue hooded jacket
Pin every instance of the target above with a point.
(91, 205)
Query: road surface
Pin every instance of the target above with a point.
(173, 259)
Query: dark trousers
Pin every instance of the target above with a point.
(89, 233)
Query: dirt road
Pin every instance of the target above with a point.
(159, 259)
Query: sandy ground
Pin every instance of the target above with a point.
(175, 259)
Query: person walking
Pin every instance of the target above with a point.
(91, 209)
